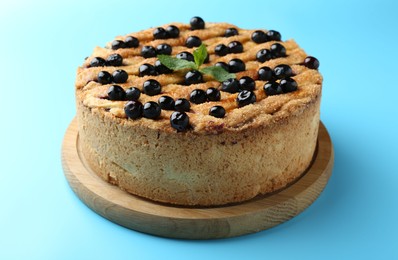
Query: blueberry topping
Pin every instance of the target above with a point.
(114, 60)
(185, 56)
(263, 55)
(278, 50)
(163, 49)
(131, 42)
(288, 85)
(272, 88)
(193, 77)
(120, 76)
(193, 41)
(235, 47)
(207, 59)
(198, 96)
(173, 31)
(146, 70)
(247, 83)
(236, 65)
(217, 111)
(97, 62)
(166, 103)
(213, 94)
(283, 71)
(161, 69)
(274, 35)
(311, 63)
(118, 44)
(259, 36)
(231, 32)
(221, 50)
(152, 87)
(197, 23)
(104, 77)
(160, 33)
(179, 121)
(133, 93)
(222, 65)
(230, 85)
(151, 110)
(245, 97)
(116, 92)
(148, 52)
(265, 73)
(133, 109)
(182, 105)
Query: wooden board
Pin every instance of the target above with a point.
(195, 223)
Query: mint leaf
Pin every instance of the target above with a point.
(217, 73)
(176, 64)
(200, 55)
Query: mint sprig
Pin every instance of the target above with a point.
(200, 54)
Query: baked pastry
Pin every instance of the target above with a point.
(180, 136)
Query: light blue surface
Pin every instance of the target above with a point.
(42, 44)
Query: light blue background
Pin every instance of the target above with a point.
(43, 42)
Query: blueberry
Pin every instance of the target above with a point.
(182, 105)
(247, 83)
(217, 111)
(274, 35)
(193, 77)
(179, 121)
(118, 44)
(283, 71)
(116, 92)
(193, 41)
(114, 60)
(151, 110)
(207, 59)
(259, 36)
(166, 103)
(272, 88)
(133, 93)
(221, 50)
(173, 31)
(213, 94)
(146, 70)
(133, 109)
(148, 52)
(265, 73)
(160, 33)
(263, 55)
(120, 76)
(185, 56)
(235, 47)
(152, 87)
(278, 50)
(230, 85)
(231, 32)
(161, 69)
(163, 49)
(197, 23)
(104, 77)
(198, 96)
(311, 63)
(245, 97)
(131, 42)
(288, 85)
(236, 65)
(97, 62)
(222, 65)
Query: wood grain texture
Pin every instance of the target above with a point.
(195, 223)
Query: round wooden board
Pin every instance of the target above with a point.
(195, 223)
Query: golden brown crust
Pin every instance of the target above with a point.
(255, 149)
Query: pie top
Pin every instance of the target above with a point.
(290, 92)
